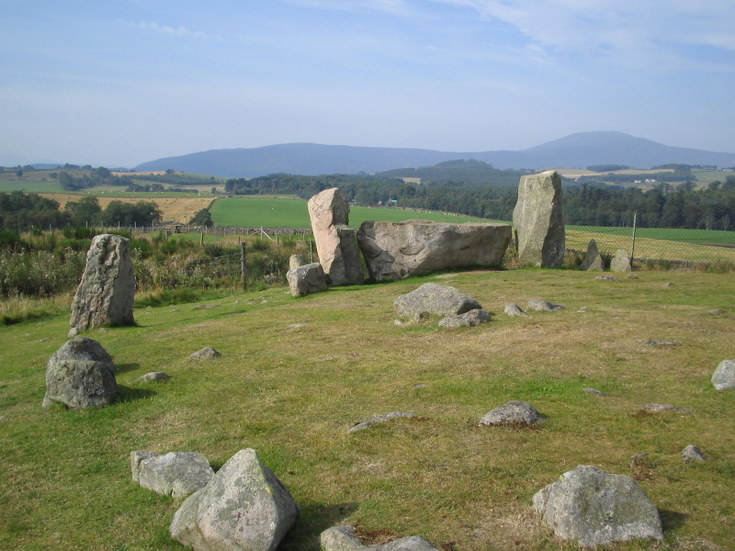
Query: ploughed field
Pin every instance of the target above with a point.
(296, 374)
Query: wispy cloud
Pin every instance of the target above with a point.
(181, 31)
(392, 7)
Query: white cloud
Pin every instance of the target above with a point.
(181, 30)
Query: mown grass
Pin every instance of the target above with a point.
(292, 393)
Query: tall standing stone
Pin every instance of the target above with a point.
(538, 220)
(593, 259)
(336, 244)
(106, 292)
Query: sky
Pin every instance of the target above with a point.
(121, 82)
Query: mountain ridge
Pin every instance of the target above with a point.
(576, 150)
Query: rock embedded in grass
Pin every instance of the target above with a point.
(593, 508)
(343, 538)
(661, 408)
(80, 375)
(543, 306)
(594, 392)
(724, 376)
(206, 353)
(382, 419)
(244, 507)
(154, 376)
(515, 412)
(473, 318)
(175, 474)
(432, 299)
(692, 454)
(513, 309)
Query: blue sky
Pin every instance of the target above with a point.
(121, 82)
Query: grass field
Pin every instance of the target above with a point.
(292, 391)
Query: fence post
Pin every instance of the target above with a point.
(632, 247)
(243, 263)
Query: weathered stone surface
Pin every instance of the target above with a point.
(155, 376)
(660, 408)
(543, 306)
(593, 261)
(382, 419)
(336, 244)
(396, 250)
(593, 507)
(432, 299)
(245, 507)
(206, 353)
(692, 454)
(175, 474)
(106, 292)
(342, 538)
(513, 309)
(515, 412)
(296, 260)
(621, 262)
(538, 220)
(307, 279)
(80, 374)
(724, 376)
(473, 318)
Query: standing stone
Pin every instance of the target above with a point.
(593, 507)
(307, 279)
(621, 262)
(106, 292)
(724, 376)
(79, 375)
(538, 220)
(245, 507)
(593, 259)
(336, 244)
(396, 250)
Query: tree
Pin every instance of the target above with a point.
(202, 218)
(84, 212)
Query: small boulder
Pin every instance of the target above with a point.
(175, 474)
(606, 277)
(342, 538)
(307, 279)
(244, 507)
(543, 306)
(79, 375)
(155, 376)
(206, 353)
(594, 508)
(724, 376)
(692, 454)
(473, 318)
(432, 299)
(382, 419)
(515, 412)
(513, 309)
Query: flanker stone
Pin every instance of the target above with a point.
(79, 375)
(175, 474)
(538, 220)
(107, 290)
(342, 538)
(396, 250)
(336, 244)
(306, 279)
(594, 508)
(432, 299)
(245, 507)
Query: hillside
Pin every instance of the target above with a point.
(577, 150)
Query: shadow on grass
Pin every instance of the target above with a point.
(313, 519)
(122, 368)
(126, 394)
(671, 520)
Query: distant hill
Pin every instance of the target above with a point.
(577, 150)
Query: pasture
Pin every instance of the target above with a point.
(292, 392)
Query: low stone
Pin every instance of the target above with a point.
(175, 474)
(621, 262)
(513, 309)
(206, 353)
(593, 508)
(156, 376)
(661, 408)
(716, 311)
(724, 376)
(382, 419)
(607, 278)
(515, 412)
(594, 392)
(244, 507)
(79, 375)
(692, 454)
(592, 259)
(654, 342)
(668, 285)
(307, 279)
(472, 318)
(543, 306)
(342, 538)
(432, 299)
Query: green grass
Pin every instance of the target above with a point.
(29, 186)
(292, 213)
(292, 393)
(666, 234)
